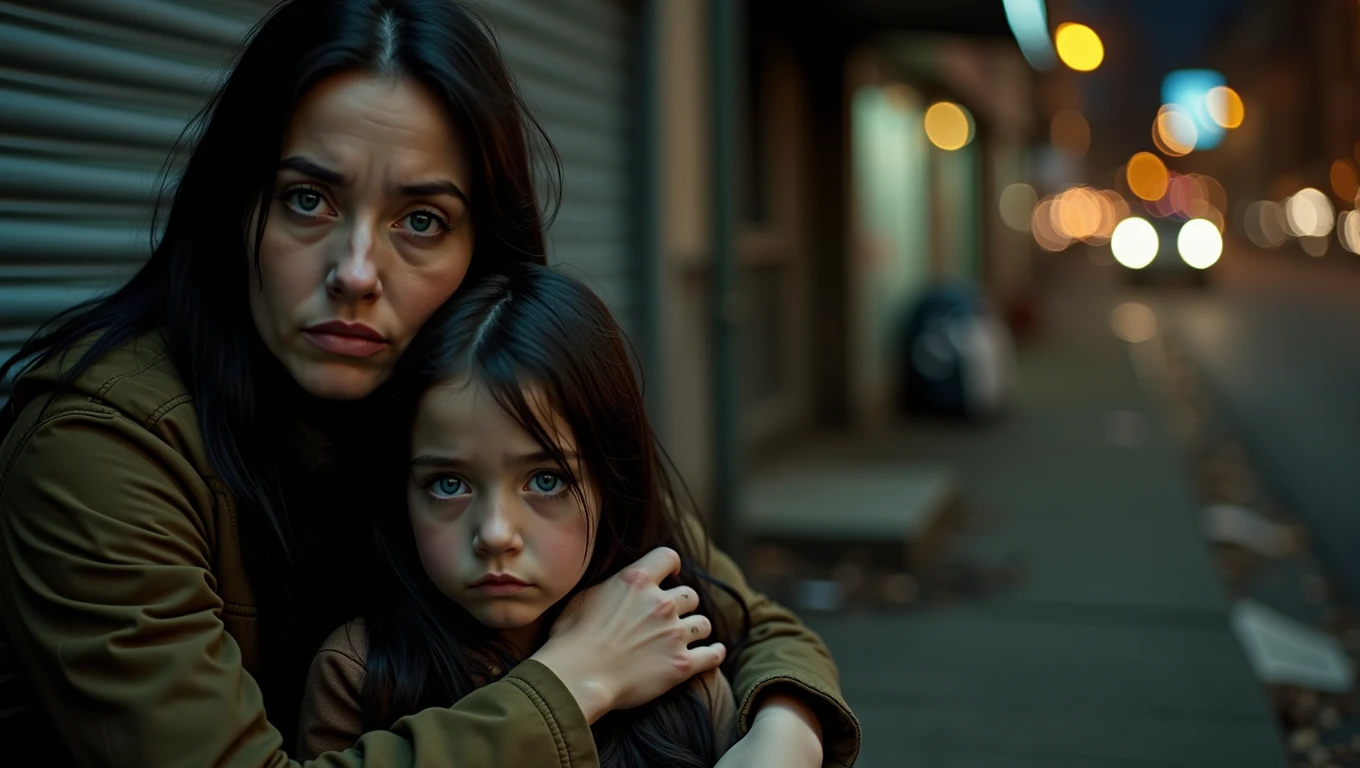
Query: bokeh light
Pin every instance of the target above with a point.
(1070, 132)
(1315, 246)
(1174, 132)
(1147, 176)
(1264, 224)
(1344, 181)
(948, 125)
(1199, 242)
(1134, 322)
(1348, 230)
(1134, 243)
(1077, 212)
(1225, 106)
(1309, 213)
(1214, 194)
(1017, 206)
(1079, 46)
(1045, 233)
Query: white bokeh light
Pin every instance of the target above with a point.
(1199, 243)
(1134, 242)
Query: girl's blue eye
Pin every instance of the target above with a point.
(546, 482)
(421, 221)
(447, 487)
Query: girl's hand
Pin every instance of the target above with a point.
(624, 641)
(784, 734)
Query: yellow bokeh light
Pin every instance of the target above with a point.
(1147, 176)
(1077, 213)
(1225, 106)
(1079, 46)
(1045, 234)
(1174, 132)
(1070, 132)
(948, 125)
(1344, 181)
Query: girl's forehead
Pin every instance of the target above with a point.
(464, 411)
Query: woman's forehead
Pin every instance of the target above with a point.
(390, 129)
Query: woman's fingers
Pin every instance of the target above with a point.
(652, 568)
(685, 599)
(696, 628)
(706, 657)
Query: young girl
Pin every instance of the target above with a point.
(533, 474)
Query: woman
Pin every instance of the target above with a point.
(183, 495)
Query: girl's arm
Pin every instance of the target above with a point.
(783, 662)
(332, 718)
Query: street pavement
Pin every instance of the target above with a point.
(1111, 647)
(1277, 342)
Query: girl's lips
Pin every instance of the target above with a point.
(499, 586)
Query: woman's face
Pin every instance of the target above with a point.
(497, 526)
(368, 233)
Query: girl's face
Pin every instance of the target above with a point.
(368, 232)
(497, 526)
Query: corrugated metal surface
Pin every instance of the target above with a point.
(571, 58)
(93, 94)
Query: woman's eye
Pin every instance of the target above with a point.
(546, 482)
(447, 487)
(306, 200)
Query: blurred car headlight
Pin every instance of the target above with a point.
(1134, 242)
(1199, 243)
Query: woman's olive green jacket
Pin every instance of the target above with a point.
(129, 632)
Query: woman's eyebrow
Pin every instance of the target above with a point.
(312, 168)
(429, 189)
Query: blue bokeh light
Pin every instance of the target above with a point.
(1189, 89)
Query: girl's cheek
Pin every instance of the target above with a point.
(438, 546)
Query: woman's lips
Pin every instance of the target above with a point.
(346, 339)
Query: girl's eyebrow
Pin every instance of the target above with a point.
(431, 460)
(539, 456)
(443, 462)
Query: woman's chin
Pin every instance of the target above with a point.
(336, 381)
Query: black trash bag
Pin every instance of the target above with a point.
(957, 358)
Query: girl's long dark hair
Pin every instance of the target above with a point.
(194, 288)
(533, 326)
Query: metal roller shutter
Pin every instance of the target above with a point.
(572, 60)
(94, 93)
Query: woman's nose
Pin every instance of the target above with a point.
(355, 275)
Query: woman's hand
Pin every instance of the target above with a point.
(784, 734)
(624, 641)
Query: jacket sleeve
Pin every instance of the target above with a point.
(108, 596)
(780, 651)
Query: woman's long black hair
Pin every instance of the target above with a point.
(194, 288)
(535, 327)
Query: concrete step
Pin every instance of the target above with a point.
(818, 506)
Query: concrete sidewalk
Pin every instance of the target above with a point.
(1113, 647)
